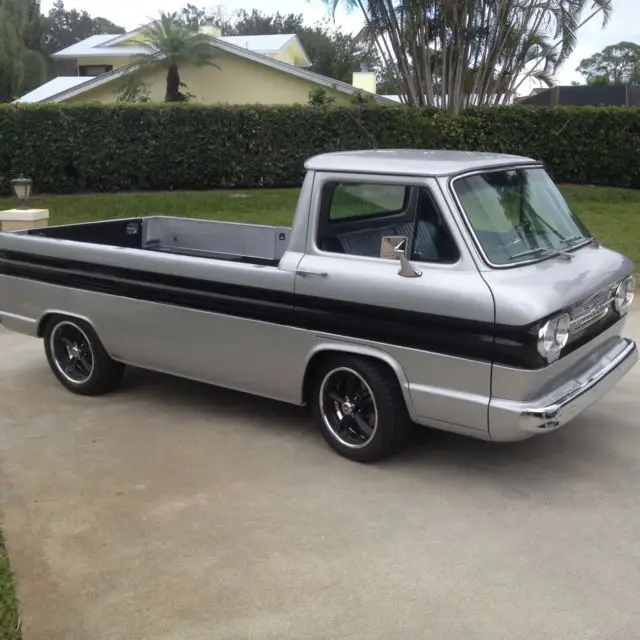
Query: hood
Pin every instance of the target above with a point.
(528, 293)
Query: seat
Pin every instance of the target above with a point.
(368, 242)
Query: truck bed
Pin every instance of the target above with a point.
(230, 241)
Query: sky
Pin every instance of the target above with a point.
(592, 37)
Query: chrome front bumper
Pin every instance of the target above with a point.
(520, 420)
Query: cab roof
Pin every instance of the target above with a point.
(415, 162)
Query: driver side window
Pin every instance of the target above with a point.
(356, 216)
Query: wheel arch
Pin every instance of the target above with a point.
(44, 319)
(325, 350)
(105, 374)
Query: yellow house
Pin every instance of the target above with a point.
(267, 69)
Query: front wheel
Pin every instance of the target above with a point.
(78, 359)
(359, 408)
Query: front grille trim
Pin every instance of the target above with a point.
(590, 311)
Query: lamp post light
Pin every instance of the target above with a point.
(22, 189)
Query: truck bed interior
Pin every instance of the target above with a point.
(230, 241)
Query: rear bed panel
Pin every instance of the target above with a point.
(184, 236)
(247, 240)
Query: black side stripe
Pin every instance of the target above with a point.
(513, 346)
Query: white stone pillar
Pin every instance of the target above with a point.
(21, 219)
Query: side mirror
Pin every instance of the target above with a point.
(396, 247)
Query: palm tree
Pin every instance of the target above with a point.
(172, 43)
(453, 53)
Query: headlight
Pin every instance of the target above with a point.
(553, 336)
(625, 294)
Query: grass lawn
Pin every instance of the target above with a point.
(274, 206)
(613, 215)
(9, 614)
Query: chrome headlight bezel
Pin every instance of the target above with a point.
(624, 295)
(553, 336)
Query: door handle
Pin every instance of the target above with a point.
(318, 274)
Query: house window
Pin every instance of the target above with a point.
(94, 69)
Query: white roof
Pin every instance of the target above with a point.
(105, 52)
(262, 44)
(415, 162)
(80, 48)
(53, 87)
(87, 43)
(93, 45)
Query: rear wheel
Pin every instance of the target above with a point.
(78, 359)
(359, 408)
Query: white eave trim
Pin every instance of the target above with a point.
(118, 53)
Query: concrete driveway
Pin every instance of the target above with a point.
(173, 511)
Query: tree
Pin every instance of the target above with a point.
(63, 28)
(453, 53)
(194, 17)
(336, 54)
(615, 64)
(172, 43)
(22, 66)
(258, 23)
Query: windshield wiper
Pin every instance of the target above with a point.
(550, 252)
(576, 239)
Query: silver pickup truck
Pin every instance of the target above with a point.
(454, 290)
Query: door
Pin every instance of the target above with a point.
(438, 325)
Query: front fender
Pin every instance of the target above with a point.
(334, 346)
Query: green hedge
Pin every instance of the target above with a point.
(136, 147)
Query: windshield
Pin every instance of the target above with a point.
(519, 215)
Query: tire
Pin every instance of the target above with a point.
(78, 359)
(334, 395)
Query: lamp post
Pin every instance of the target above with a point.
(22, 189)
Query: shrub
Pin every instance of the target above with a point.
(580, 145)
(149, 146)
(320, 97)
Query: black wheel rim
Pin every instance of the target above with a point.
(348, 407)
(72, 352)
